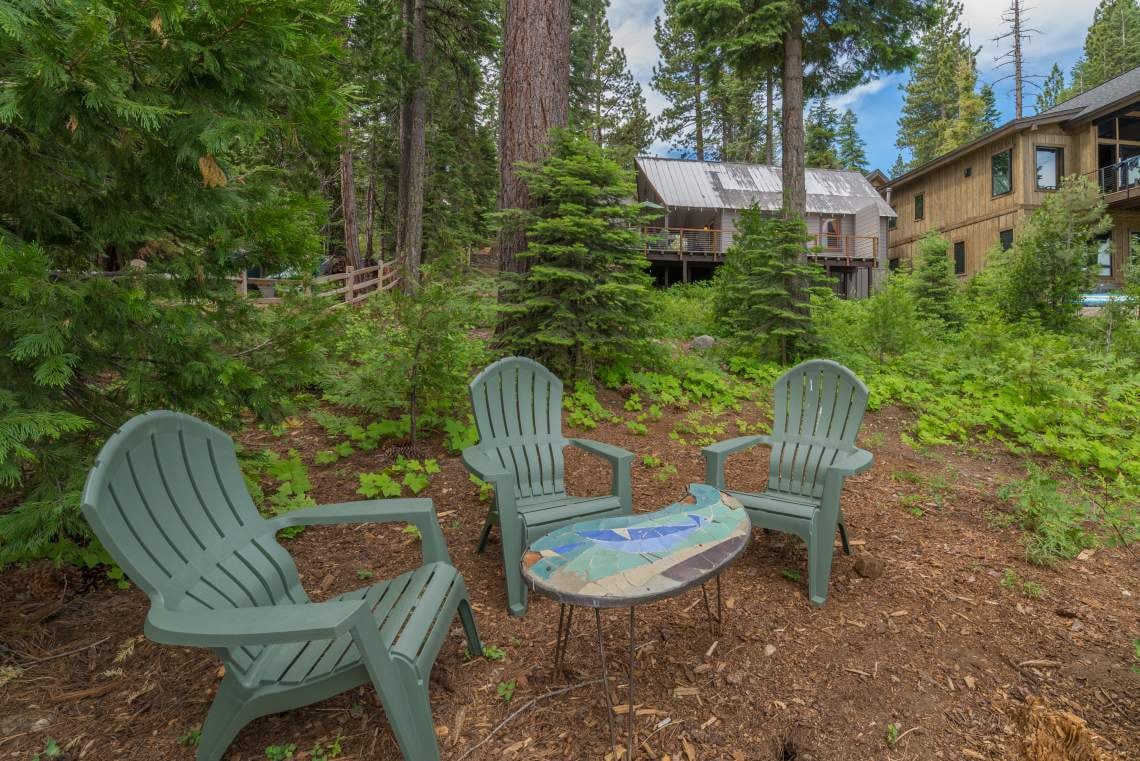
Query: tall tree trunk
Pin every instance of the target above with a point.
(1017, 82)
(348, 201)
(698, 112)
(535, 99)
(370, 205)
(795, 188)
(769, 111)
(413, 115)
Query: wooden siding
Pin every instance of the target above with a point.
(964, 209)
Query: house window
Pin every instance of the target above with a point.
(1049, 167)
(919, 207)
(1001, 173)
(893, 222)
(1006, 239)
(1104, 255)
(893, 264)
(1134, 250)
(829, 234)
(960, 258)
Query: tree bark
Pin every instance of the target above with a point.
(535, 99)
(413, 116)
(769, 110)
(698, 112)
(348, 201)
(795, 188)
(370, 206)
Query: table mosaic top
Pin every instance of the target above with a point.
(630, 559)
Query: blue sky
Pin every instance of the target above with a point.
(1062, 25)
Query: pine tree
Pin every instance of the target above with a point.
(1050, 265)
(1051, 90)
(991, 116)
(762, 291)
(605, 99)
(900, 166)
(815, 58)
(942, 81)
(584, 298)
(681, 77)
(1110, 45)
(851, 148)
(175, 146)
(821, 135)
(933, 283)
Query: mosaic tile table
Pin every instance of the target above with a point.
(630, 560)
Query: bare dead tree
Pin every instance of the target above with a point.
(1018, 35)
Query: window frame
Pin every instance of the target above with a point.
(993, 176)
(825, 235)
(1057, 151)
(959, 245)
(919, 206)
(1001, 238)
(1108, 238)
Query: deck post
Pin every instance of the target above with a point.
(684, 269)
(243, 284)
(349, 280)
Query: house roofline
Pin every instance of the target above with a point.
(1011, 127)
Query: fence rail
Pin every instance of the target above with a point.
(683, 242)
(349, 287)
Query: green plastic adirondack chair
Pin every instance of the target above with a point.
(819, 407)
(167, 499)
(518, 410)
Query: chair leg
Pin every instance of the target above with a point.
(512, 536)
(843, 536)
(467, 618)
(819, 564)
(228, 714)
(483, 536)
(415, 730)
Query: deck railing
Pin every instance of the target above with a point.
(1120, 178)
(703, 242)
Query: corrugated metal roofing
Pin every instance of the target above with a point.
(717, 185)
(1104, 94)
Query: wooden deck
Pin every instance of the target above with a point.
(707, 246)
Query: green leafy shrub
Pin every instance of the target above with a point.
(684, 311)
(1054, 522)
(584, 298)
(410, 356)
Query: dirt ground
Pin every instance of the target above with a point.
(934, 659)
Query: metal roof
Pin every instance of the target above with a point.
(1105, 94)
(723, 185)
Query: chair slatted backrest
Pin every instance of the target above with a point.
(168, 501)
(518, 410)
(819, 407)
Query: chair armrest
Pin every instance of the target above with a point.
(621, 462)
(265, 625)
(418, 512)
(850, 463)
(480, 465)
(732, 446)
(716, 455)
(615, 455)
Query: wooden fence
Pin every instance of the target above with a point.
(348, 287)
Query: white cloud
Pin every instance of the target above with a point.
(855, 95)
(631, 22)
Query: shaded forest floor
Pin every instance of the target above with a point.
(949, 654)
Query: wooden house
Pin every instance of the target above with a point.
(978, 194)
(701, 201)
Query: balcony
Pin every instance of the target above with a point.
(671, 244)
(1119, 183)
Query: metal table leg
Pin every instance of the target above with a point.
(605, 678)
(715, 624)
(631, 720)
(565, 617)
